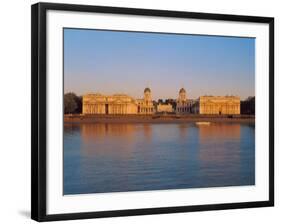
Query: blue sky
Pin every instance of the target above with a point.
(111, 62)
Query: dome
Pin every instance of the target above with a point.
(182, 90)
(147, 90)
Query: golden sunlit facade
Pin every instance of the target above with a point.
(145, 105)
(165, 108)
(122, 104)
(117, 104)
(219, 105)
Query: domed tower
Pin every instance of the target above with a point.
(145, 105)
(182, 102)
(182, 95)
(147, 94)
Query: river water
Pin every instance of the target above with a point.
(120, 157)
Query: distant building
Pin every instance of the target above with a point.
(117, 104)
(96, 103)
(165, 108)
(183, 105)
(219, 105)
(145, 105)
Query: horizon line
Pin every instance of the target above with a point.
(120, 93)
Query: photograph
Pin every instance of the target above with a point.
(153, 111)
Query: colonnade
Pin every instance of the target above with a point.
(219, 108)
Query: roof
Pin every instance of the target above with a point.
(182, 90)
(147, 90)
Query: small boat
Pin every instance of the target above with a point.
(203, 123)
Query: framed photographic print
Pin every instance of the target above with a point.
(139, 111)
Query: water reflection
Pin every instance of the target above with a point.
(111, 157)
(217, 142)
(219, 150)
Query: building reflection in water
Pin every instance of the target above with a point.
(216, 142)
(219, 146)
(111, 148)
(219, 131)
(183, 130)
(104, 138)
(147, 131)
(114, 157)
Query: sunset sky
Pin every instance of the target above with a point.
(112, 62)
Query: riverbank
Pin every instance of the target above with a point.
(156, 118)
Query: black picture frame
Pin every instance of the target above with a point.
(38, 110)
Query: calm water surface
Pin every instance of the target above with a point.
(134, 157)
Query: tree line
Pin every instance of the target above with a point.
(72, 103)
(248, 106)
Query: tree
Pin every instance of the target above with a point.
(70, 103)
(79, 104)
(248, 106)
